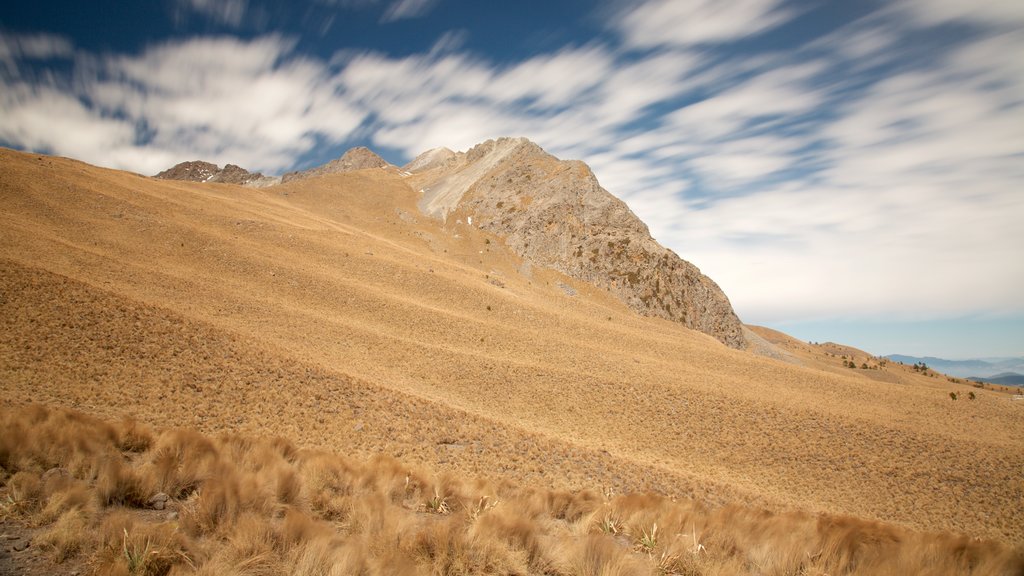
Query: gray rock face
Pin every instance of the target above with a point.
(359, 158)
(554, 213)
(199, 171)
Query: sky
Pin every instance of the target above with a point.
(848, 171)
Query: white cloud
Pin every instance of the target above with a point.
(404, 9)
(254, 103)
(15, 48)
(50, 120)
(35, 46)
(559, 79)
(1008, 13)
(690, 22)
(560, 100)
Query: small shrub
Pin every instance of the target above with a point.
(648, 540)
(437, 504)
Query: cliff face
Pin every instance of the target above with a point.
(554, 213)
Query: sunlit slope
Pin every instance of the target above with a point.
(331, 304)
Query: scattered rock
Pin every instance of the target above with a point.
(21, 545)
(159, 501)
(358, 427)
(55, 473)
(172, 516)
(569, 290)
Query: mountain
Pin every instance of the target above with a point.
(554, 213)
(360, 158)
(430, 159)
(1004, 378)
(977, 367)
(199, 171)
(330, 311)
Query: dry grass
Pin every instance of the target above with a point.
(263, 507)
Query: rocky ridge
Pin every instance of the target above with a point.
(359, 158)
(199, 171)
(554, 213)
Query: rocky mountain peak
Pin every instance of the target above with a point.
(194, 171)
(199, 171)
(430, 159)
(359, 158)
(554, 213)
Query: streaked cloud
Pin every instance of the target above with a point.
(690, 22)
(404, 9)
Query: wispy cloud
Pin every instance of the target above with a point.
(690, 22)
(15, 48)
(227, 12)
(405, 9)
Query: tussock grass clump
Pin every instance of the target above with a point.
(241, 505)
(68, 535)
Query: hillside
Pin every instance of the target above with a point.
(331, 311)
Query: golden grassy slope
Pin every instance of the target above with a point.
(329, 311)
(120, 499)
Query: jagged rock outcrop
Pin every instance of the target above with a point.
(554, 213)
(194, 171)
(359, 158)
(199, 171)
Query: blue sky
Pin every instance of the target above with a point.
(847, 171)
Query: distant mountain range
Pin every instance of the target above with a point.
(1006, 378)
(996, 370)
